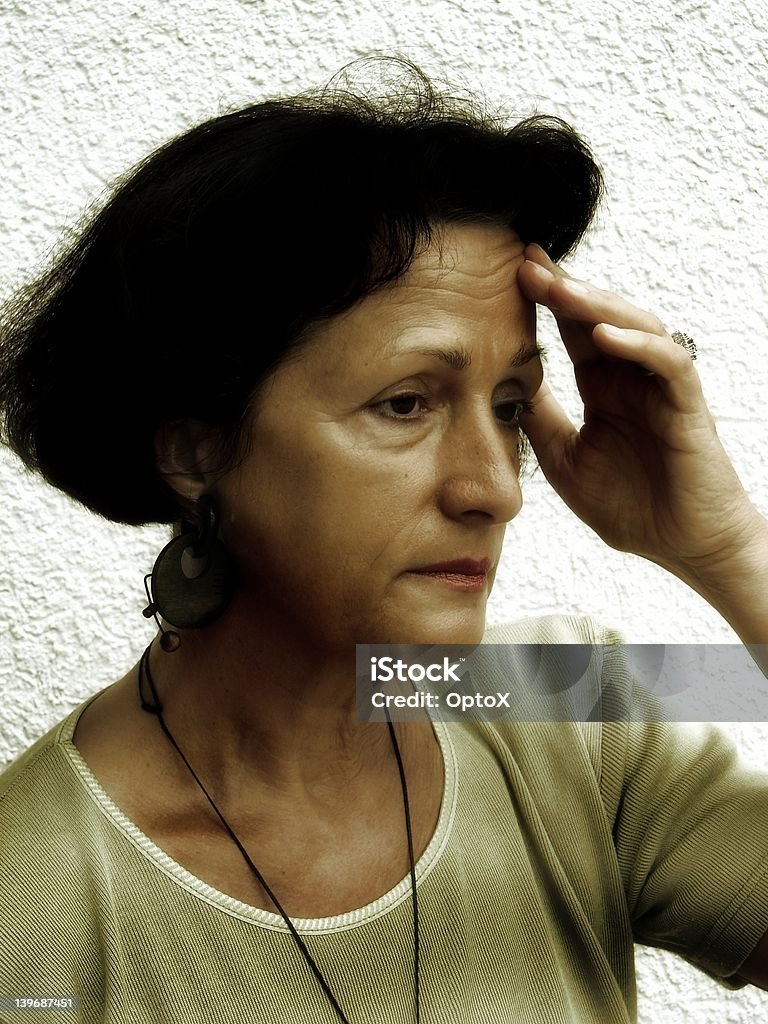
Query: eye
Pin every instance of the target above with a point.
(509, 413)
(402, 406)
(406, 407)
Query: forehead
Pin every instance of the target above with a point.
(469, 278)
(467, 263)
(465, 282)
(461, 247)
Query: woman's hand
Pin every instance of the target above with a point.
(646, 471)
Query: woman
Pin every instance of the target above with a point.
(305, 334)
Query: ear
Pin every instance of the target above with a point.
(182, 450)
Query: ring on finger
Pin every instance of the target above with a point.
(685, 341)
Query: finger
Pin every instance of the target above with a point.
(585, 316)
(671, 365)
(540, 285)
(580, 303)
(572, 299)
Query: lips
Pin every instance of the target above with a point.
(460, 567)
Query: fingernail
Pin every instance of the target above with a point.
(541, 272)
(615, 332)
(575, 287)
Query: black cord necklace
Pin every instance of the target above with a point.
(157, 709)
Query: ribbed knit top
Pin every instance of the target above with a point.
(558, 846)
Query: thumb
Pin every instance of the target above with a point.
(551, 433)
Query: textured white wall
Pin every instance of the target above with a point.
(672, 97)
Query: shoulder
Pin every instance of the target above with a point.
(550, 670)
(574, 696)
(30, 770)
(38, 794)
(48, 866)
(42, 804)
(552, 629)
(44, 878)
(560, 668)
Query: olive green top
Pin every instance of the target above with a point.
(558, 846)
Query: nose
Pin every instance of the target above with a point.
(480, 469)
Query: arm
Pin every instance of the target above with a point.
(737, 587)
(755, 967)
(646, 470)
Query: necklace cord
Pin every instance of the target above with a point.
(413, 869)
(157, 709)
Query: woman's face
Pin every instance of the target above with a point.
(388, 445)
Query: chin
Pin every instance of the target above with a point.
(449, 628)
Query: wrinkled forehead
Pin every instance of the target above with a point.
(467, 276)
(466, 263)
(465, 282)
(472, 249)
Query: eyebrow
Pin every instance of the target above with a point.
(459, 358)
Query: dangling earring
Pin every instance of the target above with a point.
(193, 579)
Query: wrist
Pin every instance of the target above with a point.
(734, 581)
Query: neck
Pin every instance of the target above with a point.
(257, 707)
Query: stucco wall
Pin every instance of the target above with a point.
(673, 98)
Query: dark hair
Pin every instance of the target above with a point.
(216, 254)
